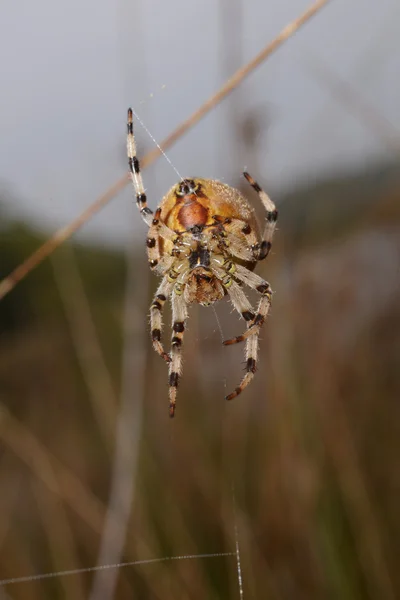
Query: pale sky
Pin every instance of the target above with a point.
(71, 68)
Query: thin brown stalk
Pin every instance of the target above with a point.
(86, 342)
(60, 539)
(361, 511)
(51, 471)
(129, 424)
(65, 232)
(11, 491)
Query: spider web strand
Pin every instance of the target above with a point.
(147, 561)
(156, 143)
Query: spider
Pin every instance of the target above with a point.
(204, 241)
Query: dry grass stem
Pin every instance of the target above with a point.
(129, 424)
(57, 477)
(60, 539)
(86, 342)
(65, 232)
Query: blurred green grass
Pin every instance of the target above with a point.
(312, 447)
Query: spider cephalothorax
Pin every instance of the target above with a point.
(204, 240)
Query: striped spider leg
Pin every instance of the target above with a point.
(234, 227)
(227, 273)
(179, 317)
(255, 282)
(136, 176)
(157, 227)
(261, 251)
(156, 230)
(156, 323)
(264, 246)
(251, 335)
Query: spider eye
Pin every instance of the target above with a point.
(186, 186)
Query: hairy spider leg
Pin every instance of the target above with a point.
(136, 176)
(257, 283)
(156, 324)
(179, 317)
(137, 181)
(272, 216)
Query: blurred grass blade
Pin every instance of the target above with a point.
(129, 424)
(86, 342)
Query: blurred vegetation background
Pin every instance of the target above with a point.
(312, 447)
(304, 465)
